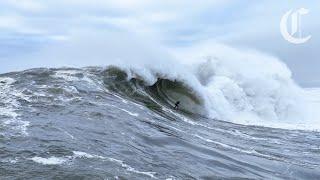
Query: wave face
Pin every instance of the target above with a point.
(163, 92)
(119, 123)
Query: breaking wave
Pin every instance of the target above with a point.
(239, 86)
(213, 89)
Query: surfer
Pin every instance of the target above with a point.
(176, 105)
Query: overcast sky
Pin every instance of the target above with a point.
(29, 26)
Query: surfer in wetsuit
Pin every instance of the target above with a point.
(176, 105)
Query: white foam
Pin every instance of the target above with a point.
(67, 133)
(70, 75)
(226, 146)
(124, 110)
(123, 100)
(8, 112)
(86, 155)
(79, 154)
(131, 169)
(10, 160)
(9, 96)
(130, 113)
(124, 165)
(49, 161)
(6, 80)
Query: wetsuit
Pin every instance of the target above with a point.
(176, 105)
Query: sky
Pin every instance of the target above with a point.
(28, 27)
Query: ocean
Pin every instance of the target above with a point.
(117, 123)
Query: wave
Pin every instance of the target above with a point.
(216, 81)
(243, 87)
(217, 97)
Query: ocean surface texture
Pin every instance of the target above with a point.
(107, 123)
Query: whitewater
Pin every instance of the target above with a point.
(239, 86)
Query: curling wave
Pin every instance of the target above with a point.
(164, 92)
(252, 89)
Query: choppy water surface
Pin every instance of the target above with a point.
(93, 124)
